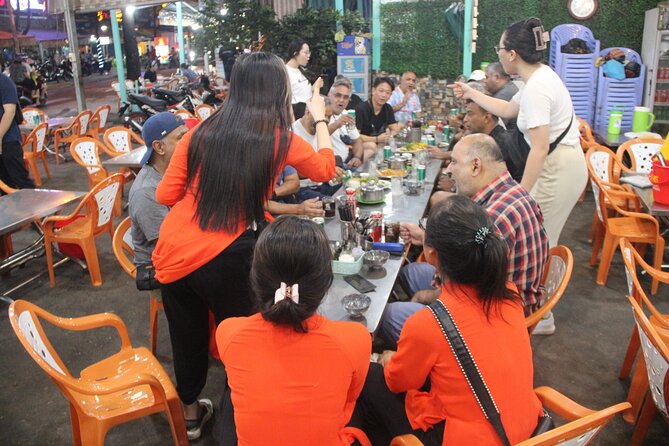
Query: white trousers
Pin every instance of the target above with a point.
(559, 186)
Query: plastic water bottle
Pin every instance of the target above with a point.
(393, 144)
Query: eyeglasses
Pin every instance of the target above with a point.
(498, 48)
(342, 96)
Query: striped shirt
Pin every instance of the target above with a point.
(520, 222)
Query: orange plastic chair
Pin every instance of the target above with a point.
(83, 231)
(127, 386)
(203, 111)
(639, 384)
(583, 427)
(555, 280)
(656, 360)
(124, 251)
(118, 140)
(33, 148)
(184, 114)
(603, 164)
(85, 152)
(637, 227)
(640, 152)
(220, 86)
(98, 121)
(69, 134)
(586, 136)
(29, 114)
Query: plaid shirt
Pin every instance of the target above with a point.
(519, 221)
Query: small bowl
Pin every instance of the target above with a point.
(376, 259)
(356, 304)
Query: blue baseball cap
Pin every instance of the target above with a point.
(157, 127)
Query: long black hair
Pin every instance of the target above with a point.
(235, 155)
(526, 38)
(293, 251)
(470, 251)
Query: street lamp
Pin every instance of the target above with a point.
(103, 28)
(130, 9)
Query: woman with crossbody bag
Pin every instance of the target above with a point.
(555, 171)
(461, 242)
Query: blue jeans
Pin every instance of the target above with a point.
(413, 277)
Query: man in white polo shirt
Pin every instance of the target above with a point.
(343, 132)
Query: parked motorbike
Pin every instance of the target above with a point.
(148, 107)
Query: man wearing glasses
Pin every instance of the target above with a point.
(343, 132)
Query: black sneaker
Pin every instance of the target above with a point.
(194, 427)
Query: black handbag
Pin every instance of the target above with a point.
(518, 149)
(145, 278)
(473, 376)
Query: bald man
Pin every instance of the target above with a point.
(479, 171)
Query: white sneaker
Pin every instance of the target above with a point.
(194, 427)
(546, 325)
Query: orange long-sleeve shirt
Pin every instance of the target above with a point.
(501, 348)
(292, 388)
(182, 246)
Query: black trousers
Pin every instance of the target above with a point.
(12, 170)
(222, 286)
(381, 415)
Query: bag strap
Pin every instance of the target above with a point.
(469, 368)
(559, 139)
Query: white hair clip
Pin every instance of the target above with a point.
(287, 292)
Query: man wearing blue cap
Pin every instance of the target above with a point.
(160, 133)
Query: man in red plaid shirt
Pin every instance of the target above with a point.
(478, 169)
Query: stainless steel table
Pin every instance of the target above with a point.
(23, 207)
(646, 196)
(610, 140)
(131, 159)
(402, 208)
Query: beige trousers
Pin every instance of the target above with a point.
(559, 187)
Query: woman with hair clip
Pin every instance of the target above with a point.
(293, 375)
(299, 54)
(220, 177)
(471, 258)
(555, 172)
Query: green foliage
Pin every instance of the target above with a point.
(239, 28)
(415, 34)
(416, 37)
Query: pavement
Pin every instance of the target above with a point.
(581, 359)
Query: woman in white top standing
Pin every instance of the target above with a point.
(299, 53)
(544, 111)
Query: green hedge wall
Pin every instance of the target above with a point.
(415, 35)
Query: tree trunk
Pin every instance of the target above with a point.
(29, 13)
(130, 47)
(12, 26)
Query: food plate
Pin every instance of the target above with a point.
(363, 201)
(413, 147)
(391, 173)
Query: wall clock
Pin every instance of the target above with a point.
(582, 9)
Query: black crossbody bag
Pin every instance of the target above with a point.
(473, 376)
(518, 148)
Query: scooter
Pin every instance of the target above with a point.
(148, 107)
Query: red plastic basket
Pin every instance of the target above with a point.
(659, 176)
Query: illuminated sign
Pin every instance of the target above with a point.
(35, 5)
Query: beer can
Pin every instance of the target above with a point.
(420, 172)
(387, 152)
(351, 113)
(320, 221)
(430, 140)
